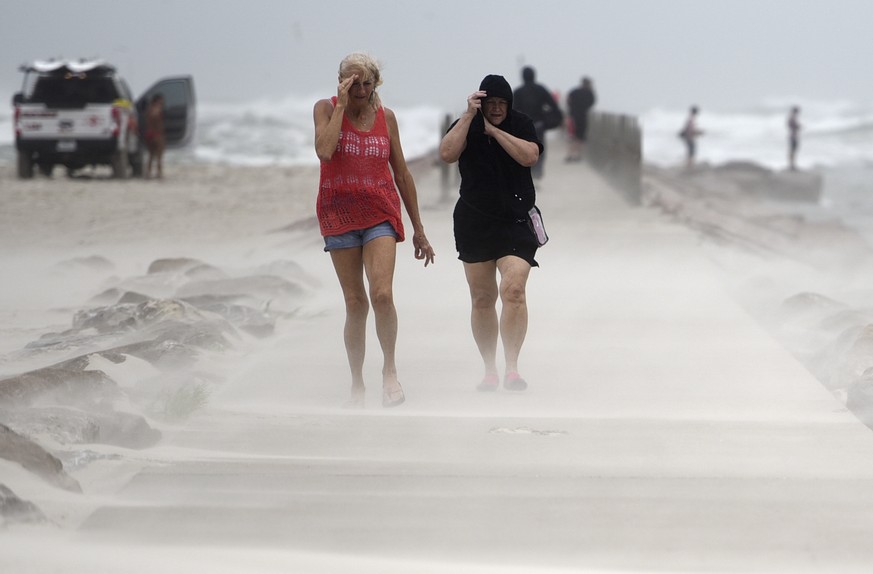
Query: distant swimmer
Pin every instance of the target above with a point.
(689, 134)
(793, 137)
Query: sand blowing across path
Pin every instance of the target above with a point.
(664, 425)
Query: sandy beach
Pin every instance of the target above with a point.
(690, 362)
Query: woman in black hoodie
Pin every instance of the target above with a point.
(495, 147)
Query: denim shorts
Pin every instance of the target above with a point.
(359, 237)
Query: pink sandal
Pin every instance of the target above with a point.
(514, 382)
(489, 383)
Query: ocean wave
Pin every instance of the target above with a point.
(279, 132)
(833, 134)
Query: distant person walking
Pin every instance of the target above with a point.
(689, 134)
(495, 147)
(794, 128)
(537, 102)
(154, 135)
(358, 208)
(580, 100)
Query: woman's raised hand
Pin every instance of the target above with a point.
(474, 101)
(342, 91)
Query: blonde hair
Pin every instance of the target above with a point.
(361, 62)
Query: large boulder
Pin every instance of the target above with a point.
(157, 330)
(16, 510)
(859, 397)
(64, 383)
(30, 455)
(263, 286)
(69, 426)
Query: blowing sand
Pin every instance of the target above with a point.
(664, 424)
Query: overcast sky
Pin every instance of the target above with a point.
(719, 54)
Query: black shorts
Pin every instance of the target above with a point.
(480, 238)
(580, 128)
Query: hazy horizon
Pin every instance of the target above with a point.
(640, 54)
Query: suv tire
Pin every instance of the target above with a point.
(25, 165)
(136, 160)
(119, 165)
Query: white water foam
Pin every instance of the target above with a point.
(279, 132)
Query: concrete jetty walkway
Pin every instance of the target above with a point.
(664, 430)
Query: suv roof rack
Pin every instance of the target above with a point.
(74, 66)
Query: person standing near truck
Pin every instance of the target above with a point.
(154, 135)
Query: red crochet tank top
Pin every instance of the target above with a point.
(357, 190)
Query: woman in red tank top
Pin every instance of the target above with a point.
(358, 210)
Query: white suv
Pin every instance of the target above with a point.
(81, 113)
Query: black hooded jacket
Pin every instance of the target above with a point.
(492, 181)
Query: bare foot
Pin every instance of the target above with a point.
(392, 397)
(357, 398)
